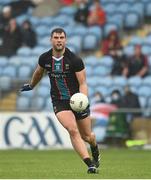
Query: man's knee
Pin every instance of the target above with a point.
(73, 131)
(88, 137)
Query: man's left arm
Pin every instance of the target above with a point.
(81, 76)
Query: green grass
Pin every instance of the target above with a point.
(65, 164)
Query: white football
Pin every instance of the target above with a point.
(79, 102)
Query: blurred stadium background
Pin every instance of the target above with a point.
(27, 120)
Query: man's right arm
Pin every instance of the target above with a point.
(37, 75)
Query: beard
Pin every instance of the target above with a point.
(59, 48)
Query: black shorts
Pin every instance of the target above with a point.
(62, 105)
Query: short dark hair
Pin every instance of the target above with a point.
(58, 30)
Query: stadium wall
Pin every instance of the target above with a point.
(32, 131)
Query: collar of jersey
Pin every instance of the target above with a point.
(57, 59)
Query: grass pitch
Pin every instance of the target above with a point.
(65, 164)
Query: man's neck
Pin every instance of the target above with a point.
(58, 54)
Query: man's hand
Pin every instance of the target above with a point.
(26, 87)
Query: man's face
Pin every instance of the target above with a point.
(58, 41)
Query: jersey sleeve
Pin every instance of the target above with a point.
(41, 62)
(78, 64)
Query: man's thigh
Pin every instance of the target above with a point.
(67, 119)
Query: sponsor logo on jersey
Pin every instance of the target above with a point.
(53, 75)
